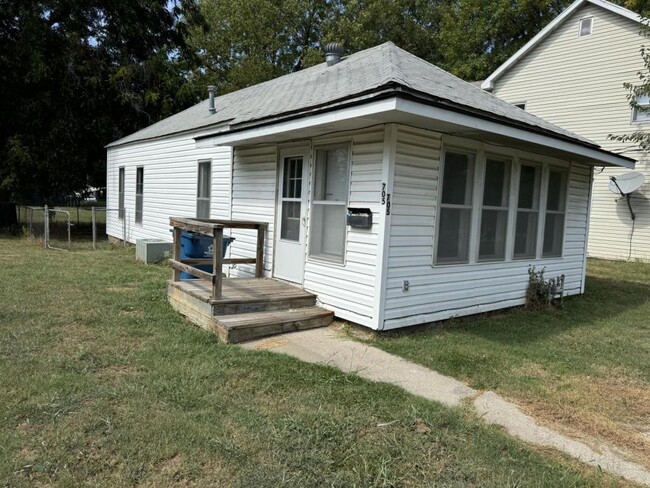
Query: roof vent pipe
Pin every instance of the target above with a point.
(211, 91)
(333, 53)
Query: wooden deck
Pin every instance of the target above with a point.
(248, 308)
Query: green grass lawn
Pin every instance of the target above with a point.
(585, 368)
(102, 384)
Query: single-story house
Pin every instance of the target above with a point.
(395, 192)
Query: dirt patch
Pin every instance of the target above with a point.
(271, 344)
(614, 409)
(132, 313)
(120, 289)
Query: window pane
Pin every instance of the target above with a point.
(497, 183)
(494, 224)
(553, 235)
(139, 181)
(453, 235)
(585, 26)
(120, 196)
(458, 178)
(292, 178)
(328, 231)
(529, 181)
(204, 180)
(331, 180)
(203, 208)
(556, 190)
(138, 208)
(526, 235)
(290, 225)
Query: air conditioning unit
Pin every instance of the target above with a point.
(152, 250)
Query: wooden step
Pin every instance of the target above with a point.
(249, 326)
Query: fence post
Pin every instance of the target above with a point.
(259, 254)
(46, 226)
(69, 235)
(93, 219)
(217, 261)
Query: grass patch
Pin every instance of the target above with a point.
(104, 385)
(585, 368)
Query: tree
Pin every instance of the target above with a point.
(77, 74)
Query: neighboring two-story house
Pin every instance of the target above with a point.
(572, 74)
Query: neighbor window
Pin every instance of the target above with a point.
(521, 105)
(203, 190)
(330, 196)
(486, 214)
(555, 213)
(641, 112)
(139, 187)
(494, 211)
(585, 26)
(455, 207)
(120, 194)
(530, 176)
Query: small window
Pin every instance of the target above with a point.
(641, 110)
(555, 213)
(328, 213)
(120, 194)
(527, 211)
(139, 188)
(203, 190)
(585, 26)
(521, 105)
(454, 224)
(494, 211)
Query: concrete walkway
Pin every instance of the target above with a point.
(328, 347)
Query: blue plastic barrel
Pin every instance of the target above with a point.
(197, 246)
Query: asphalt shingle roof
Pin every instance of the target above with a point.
(359, 74)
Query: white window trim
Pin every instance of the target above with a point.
(519, 163)
(481, 150)
(566, 170)
(591, 31)
(121, 195)
(330, 144)
(634, 112)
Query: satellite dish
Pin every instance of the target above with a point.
(626, 183)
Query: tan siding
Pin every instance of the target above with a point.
(170, 184)
(440, 292)
(577, 83)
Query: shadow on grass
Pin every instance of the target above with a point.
(603, 301)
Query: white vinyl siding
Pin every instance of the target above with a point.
(170, 167)
(554, 78)
(441, 292)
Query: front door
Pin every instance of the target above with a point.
(291, 216)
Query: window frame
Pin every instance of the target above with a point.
(334, 144)
(199, 198)
(121, 185)
(508, 208)
(565, 206)
(517, 158)
(591, 26)
(139, 197)
(635, 110)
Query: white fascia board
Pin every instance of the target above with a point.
(491, 127)
(312, 121)
(488, 83)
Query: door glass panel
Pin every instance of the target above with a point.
(291, 199)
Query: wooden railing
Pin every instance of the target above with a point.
(214, 228)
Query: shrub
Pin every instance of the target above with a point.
(537, 293)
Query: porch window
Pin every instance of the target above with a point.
(494, 212)
(330, 197)
(495, 208)
(139, 188)
(555, 213)
(530, 176)
(456, 207)
(203, 190)
(120, 194)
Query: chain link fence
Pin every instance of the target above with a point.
(69, 228)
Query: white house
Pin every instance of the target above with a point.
(452, 192)
(572, 74)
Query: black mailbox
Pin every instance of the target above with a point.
(359, 217)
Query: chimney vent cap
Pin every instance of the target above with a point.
(333, 53)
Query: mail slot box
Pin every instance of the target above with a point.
(360, 217)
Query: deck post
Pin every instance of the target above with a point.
(176, 274)
(259, 258)
(217, 261)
